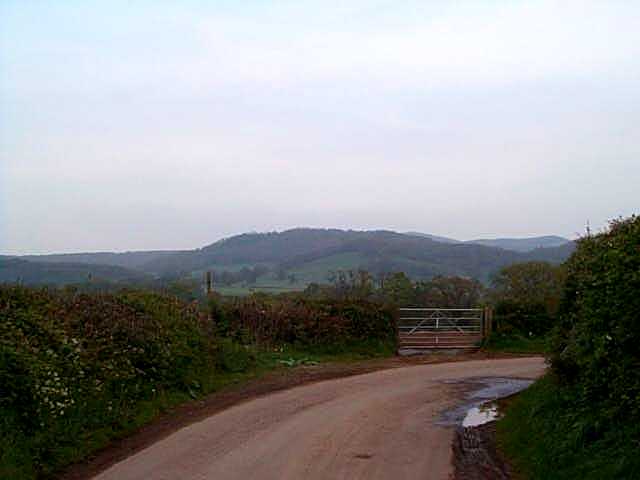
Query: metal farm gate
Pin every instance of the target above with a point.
(442, 328)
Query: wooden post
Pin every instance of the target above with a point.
(208, 282)
(490, 323)
(487, 321)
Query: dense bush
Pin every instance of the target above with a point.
(597, 345)
(75, 367)
(78, 369)
(303, 322)
(583, 420)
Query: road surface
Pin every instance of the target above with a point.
(379, 425)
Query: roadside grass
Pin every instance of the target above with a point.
(546, 437)
(514, 343)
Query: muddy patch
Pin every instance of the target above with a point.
(475, 456)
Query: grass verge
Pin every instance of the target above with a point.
(546, 437)
(514, 343)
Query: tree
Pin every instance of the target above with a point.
(398, 288)
(527, 295)
(456, 292)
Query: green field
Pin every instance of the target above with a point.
(316, 271)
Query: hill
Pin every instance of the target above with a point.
(437, 238)
(119, 259)
(313, 253)
(294, 258)
(523, 244)
(17, 270)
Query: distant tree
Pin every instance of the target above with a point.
(351, 284)
(457, 292)
(527, 296)
(397, 288)
(537, 283)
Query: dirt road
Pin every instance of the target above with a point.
(378, 425)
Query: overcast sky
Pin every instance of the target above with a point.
(161, 125)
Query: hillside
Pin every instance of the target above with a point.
(292, 259)
(312, 253)
(523, 244)
(119, 259)
(16, 270)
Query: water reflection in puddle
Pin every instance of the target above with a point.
(480, 415)
(480, 406)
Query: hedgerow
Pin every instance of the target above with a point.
(74, 367)
(597, 345)
(305, 323)
(78, 369)
(583, 420)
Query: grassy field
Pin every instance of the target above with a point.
(316, 271)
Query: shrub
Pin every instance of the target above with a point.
(595, 347)
(74, 367)
(306, 323)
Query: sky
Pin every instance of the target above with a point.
(165, 125)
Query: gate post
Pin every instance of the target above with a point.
(487, 323)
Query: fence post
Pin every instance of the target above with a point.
(485, 319)
(488, 321)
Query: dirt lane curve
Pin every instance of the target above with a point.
(374, 426)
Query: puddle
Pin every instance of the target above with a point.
(485, 413)
(479, 406)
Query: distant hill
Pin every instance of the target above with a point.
(523, 244)
(375, 251)
(294, 258)
(123, 259)
(526, 244)
(14, 270)
(437, 238)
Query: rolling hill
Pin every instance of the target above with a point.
(294, 258)
(17, 270)
(523, 244)
(526, 244)
(299, 250)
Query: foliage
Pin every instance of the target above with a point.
(595, 347)
(526, 297)
(351, 284)
(398, 289)
(74, 367)
(302, 322)
(583, 420)
(449, 292)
